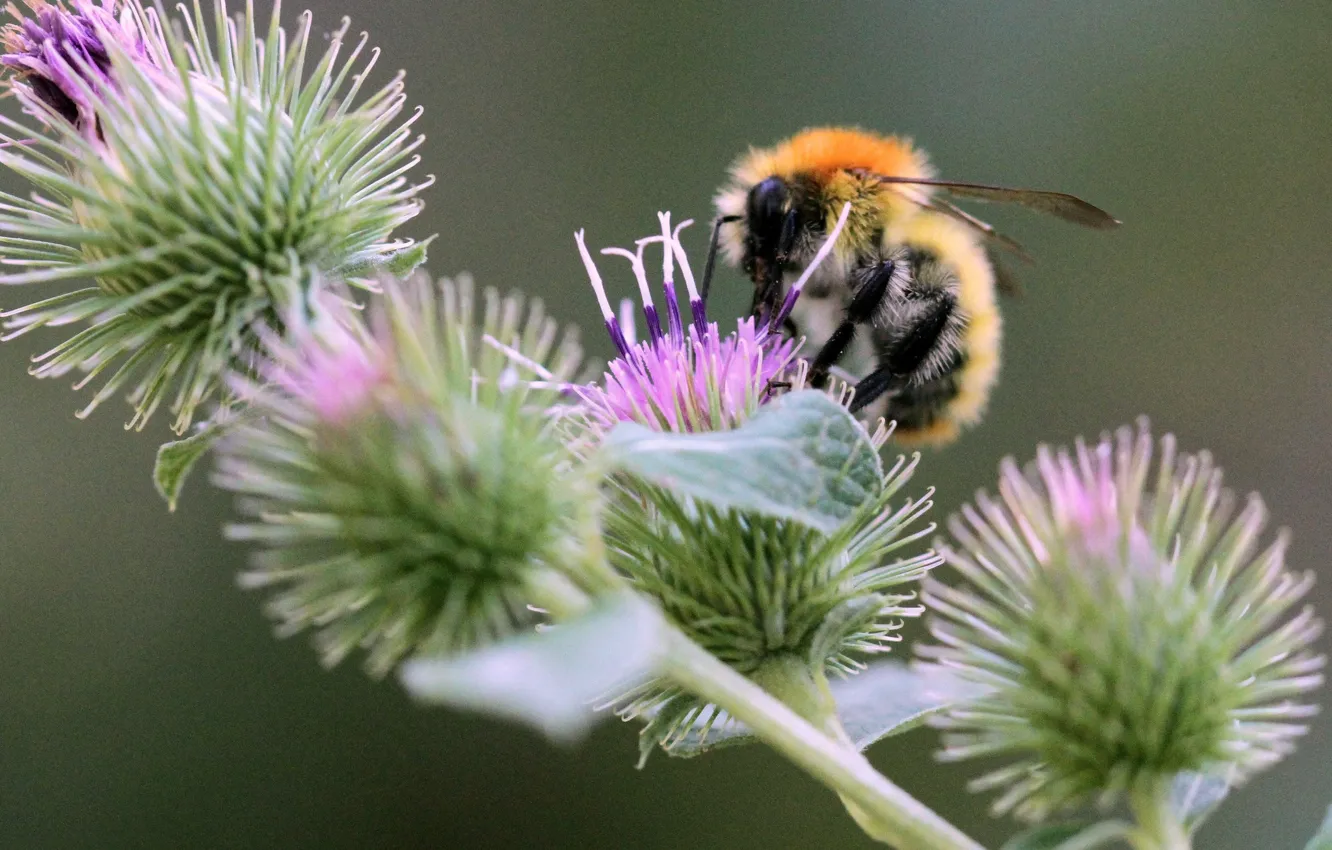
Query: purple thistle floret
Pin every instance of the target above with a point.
(61, 58)
(687, 379)
(329, 367)
(335, 369)
(1086, 505)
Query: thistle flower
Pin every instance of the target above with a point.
(405, 484)
(778, 600)
(62, 62)
(1124, 633)
(202, 184)
(686, 380)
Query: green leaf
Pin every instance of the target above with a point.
(891, 698)
(802, 458)
(548, 679)
(176, 459)
(1194, 796)
(1322, 839)
(887, 699)
(1068, 836)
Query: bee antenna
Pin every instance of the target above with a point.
(711, 264)
(824, 250)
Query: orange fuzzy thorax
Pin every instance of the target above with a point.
(844, 162)
(826, 149)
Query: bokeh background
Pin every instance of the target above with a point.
(143, 699)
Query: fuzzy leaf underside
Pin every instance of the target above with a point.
(887, 699)
(550, 679)
(891, 698)
(802, 458)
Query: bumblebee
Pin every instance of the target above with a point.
(914, 271)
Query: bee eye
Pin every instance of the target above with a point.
(765, 210)
(767, 200)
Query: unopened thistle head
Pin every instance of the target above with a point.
(403, 480)
(770, 596)
(686, 379)
(199, 183)
(1125, 627)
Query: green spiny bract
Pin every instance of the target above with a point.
(405, 485)
(775, 599)
(201, 184)
(1123, 635)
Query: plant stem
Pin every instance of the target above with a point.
(898, 818)
(882, 809)
(1158, 826)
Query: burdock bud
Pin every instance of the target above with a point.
(403, 481)
(201, 183)
(1125, 627)
(784, 600)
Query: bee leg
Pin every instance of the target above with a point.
(710, 266)
(859, 311)
(768, 295)
(899, 363)
(875, 384)
(910, 351)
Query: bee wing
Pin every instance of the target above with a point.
(1058, 204)
(998, 239)
(1004, 280)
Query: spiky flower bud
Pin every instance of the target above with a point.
(1125, 628)
(403, 480)
(201, 183)
(751, 588)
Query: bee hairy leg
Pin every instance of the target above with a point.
(874, 385)
(858, 312)
(899, 362)
(910, 351)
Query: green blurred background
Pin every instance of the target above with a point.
(143, 700)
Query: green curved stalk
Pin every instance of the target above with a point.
(1159, 828)
(886, 812)
(883, 810)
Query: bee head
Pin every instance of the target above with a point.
(771, 219)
